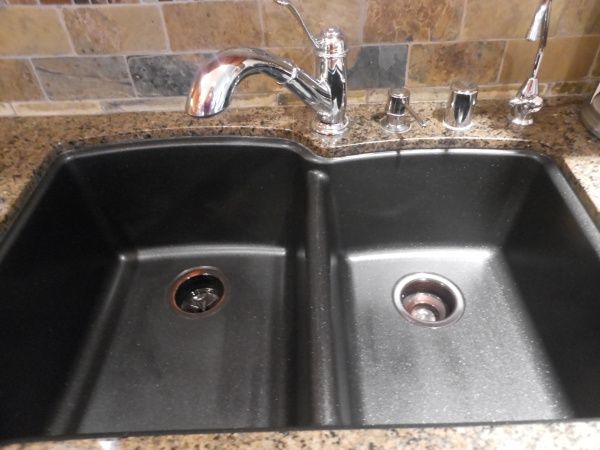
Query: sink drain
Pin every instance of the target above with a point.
(198, 292)
(428, 300)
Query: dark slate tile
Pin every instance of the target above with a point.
(378, 67)
(75, 78)
(164, 75)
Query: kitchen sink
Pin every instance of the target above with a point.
(244, 284)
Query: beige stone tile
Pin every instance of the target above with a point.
(586, 87)
(6, 110)
(357, 96)
(144, 104)
(98, 30)
(253, 100)
(497, 19)
(32, 31)
(213, 25)
(57, 108)
(22, 2)
(282, 29)
(564, 59)
(440, 64)
(502, 91)
(76, 78)
(408, 20)
(17, 81)
(575, 17)
(304, 58)
(419, 94)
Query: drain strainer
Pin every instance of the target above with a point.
(428, 300)
(198, 292)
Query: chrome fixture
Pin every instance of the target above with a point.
(398, 112)
(428, 299)
(215, 82)
(528, 101)
(459, 110)
(590, 115)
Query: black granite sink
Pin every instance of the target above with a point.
(302, 330)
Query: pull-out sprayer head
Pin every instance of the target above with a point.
(540, 20)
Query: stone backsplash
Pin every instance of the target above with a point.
(93, 56)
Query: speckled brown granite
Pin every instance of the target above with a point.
(27, 145)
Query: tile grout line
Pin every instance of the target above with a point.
(151, 53)
(261, 21)
(130, 77)
(362, 21)
(595, 62)
(61, 19)
(408, 54)
(501, 68)
(463, 20)
(38, 79)
(11, 108)
(163, 22)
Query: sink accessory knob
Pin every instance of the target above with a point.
(590, 115)
(398, 112)
(461, 104)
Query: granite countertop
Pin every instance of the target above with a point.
(28, 144)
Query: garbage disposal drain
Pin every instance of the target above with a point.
(428, 300)
(198, 292)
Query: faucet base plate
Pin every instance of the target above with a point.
(330, 129)
(520, 121)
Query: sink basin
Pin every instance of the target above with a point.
(102, 329)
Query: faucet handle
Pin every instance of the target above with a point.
(459, 109)
(315, 42)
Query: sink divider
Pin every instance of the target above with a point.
(329, 395)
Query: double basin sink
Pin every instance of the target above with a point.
(244, 284)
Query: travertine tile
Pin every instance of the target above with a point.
(407, 20)
(111, 2)
(57, 108)
(504, 91)
(17, 81)
(282, 29)
(575, 17)
(586, 87)
(564, 59)
(417, 95)
(212, 25)
(144, 104)
(115, 30)
(31, 31)
(22, 2)
(440, 64)
(253, 100)
(6, 110)
(377, 67)
(80, 78)
(497, 19)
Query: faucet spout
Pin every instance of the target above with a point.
(215, 83)
(527, 101)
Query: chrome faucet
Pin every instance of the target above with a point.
(528, 101)
(215, 82)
